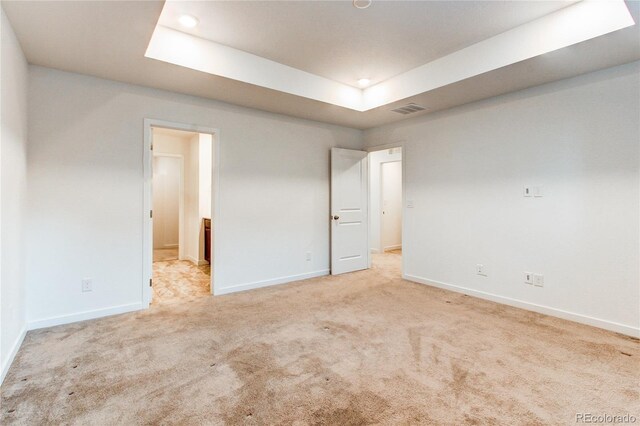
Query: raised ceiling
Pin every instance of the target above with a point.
(335, 40)
(109, 40)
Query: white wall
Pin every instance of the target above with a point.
(376, 158)
(167, 193)
(465, 170)
(391, 233)
(192, 200)
(13, 192)
(205, 168)
(274, 192)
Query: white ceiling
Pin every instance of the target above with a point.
(335, 40)
(109, 39)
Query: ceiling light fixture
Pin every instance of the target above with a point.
(188, 21)
(364, 82)
(361, 4)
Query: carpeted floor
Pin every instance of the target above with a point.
(179, 281)
(361, 348)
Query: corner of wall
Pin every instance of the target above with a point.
(13, 190)
(11, 355)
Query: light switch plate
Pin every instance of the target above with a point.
(527, 191)
(537, 191)
(528, 278)
(409, 204)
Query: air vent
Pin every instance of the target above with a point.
(408, 109)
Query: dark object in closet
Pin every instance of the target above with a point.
(207, 240)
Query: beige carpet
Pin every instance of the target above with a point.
(362, 348)
(179, 281)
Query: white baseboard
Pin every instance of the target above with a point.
(196, 261)
(396, 247)
(12, 354)
(191, 259)
(266, 283)
(83, 316)
(583, 319)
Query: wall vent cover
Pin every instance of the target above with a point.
(409, 109)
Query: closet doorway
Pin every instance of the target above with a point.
(180, 187)
(386, 207)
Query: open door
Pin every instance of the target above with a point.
(349, 211)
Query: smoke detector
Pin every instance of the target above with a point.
(361, 4)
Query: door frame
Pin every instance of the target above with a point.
(180, 202)
(403, 157)
(147, 224)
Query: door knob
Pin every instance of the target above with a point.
(336, 217)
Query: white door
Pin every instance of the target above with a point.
(349, 211)
(391, 175)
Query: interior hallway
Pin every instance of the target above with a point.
(359, 348)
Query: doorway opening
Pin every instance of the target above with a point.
(180, 169)
(385, 204)
(367, 209)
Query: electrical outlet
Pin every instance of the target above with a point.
(87, 284)
(537, 191)
(538, 280)
(481, 270)
(308, 255)
(528, 278)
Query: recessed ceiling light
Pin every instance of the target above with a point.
(364, 82)
(361, 4)
(188, 21)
